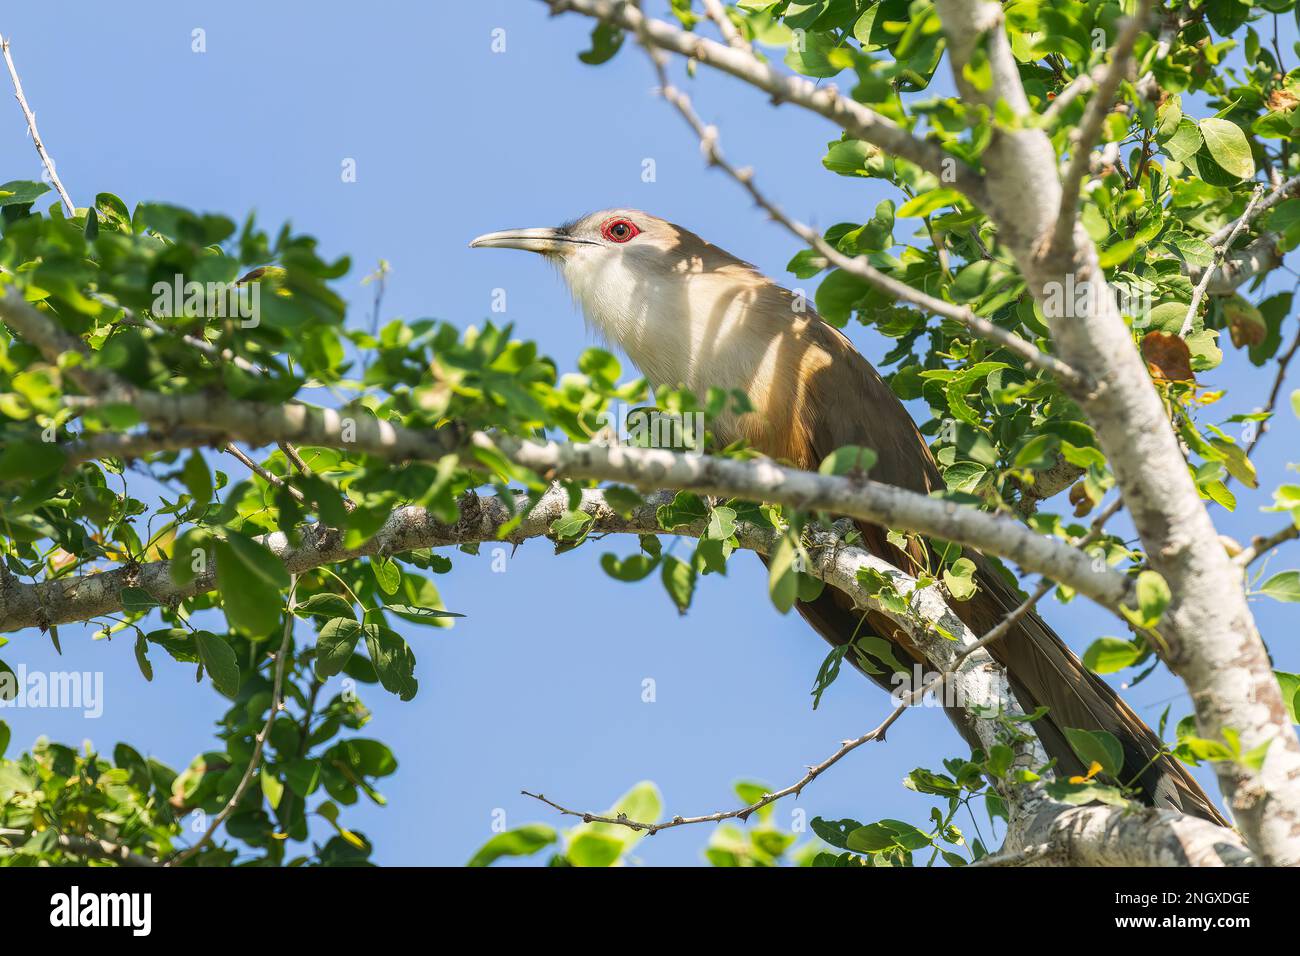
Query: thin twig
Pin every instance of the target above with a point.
(1276, 391)
(743, 813)
(1280, 192)
(1199, 292)
(857, 265)
(31, 127)
(259, 742)
(1090, 127)
(295, 459)
(255, 468)
(1262, 543)
(718, 14)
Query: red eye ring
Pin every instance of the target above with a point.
(619, 230)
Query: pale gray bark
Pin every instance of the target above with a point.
(1213, 644)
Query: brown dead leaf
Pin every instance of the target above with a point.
(1282, 99)
(1245, 323)
(1168, 357)
(1079, 497)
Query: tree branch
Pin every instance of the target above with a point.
(1199, 292)
(1090, 127)
(1262, 544)
(718, 14)
(31, 128)
(1223, 235)
(1275, 392)
(646, 468)
(743, 813)
(856, 119)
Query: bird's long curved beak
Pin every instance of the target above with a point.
(543, 240)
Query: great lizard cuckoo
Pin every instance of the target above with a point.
(689, 314)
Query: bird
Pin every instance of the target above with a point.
(691, 315)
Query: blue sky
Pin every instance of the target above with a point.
(539, 687)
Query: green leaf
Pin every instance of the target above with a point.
(679, 581)
(394, 661)
(871, 838)
(387, 574)
(1099, 746)
(1039, 452)
(1117, 252)
(838, 295)
(686, 509)
(782, 579)
(1227, 144)
(1000, 759)
(521, 841)
(722, 523)
(977, 279)
(849, 459)
(1289, 683)
(1186, 141)
(20, 192)
(335, 644)
(1235, 460)
(605, 42)
(604, 844)
(218, 659)
(923, 204)
(272, 788)
(964, 476)
(1153, 597)
(632, 568)
(421, 615)
(141, 658)
(325, 605)
(1283, 586)
(249, 579)
(600, 366)
(571, 525)
(302, 776)
(197, 478)
(29, 459)
(959, 579)
(137, 599)
(623, 500)
(1106, 655)
(816, 58)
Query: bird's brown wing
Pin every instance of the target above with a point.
(848, 403)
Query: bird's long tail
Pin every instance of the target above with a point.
(1044, 672)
